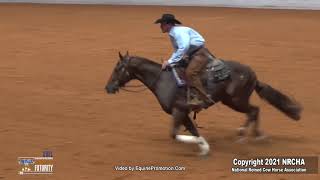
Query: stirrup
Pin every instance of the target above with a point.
(195, 101)
(210, 100)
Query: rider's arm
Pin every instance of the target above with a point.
(182, 41)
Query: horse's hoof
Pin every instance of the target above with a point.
(242, 140)
(241, 131)
(204, 146)
(203, 154)
(261, 137)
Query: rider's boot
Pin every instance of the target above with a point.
(201, 101)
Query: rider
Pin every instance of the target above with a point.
(187, 42)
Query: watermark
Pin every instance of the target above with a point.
(276, 164)
(36, 165)
(150, 168)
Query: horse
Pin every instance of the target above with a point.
(233, 92)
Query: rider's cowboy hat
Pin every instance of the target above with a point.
(167, 18)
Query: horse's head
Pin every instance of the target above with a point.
(120, 75)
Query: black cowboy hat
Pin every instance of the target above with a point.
(167, 18)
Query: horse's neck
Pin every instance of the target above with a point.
(159, 82)
(148, 73)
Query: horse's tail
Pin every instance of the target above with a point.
(279, 100)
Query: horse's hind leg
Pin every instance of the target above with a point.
(253, 117)
(242, 129)
(252, 113)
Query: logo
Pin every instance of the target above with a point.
(36, 165)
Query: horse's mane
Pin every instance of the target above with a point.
(141, 60)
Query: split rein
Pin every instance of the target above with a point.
(134, 86)
(138, 86)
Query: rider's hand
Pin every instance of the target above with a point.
(165, 64)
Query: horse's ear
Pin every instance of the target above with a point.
(127, 53)
(120, 56)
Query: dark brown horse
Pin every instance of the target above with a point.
(233, 92)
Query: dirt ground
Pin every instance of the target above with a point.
(56, 59)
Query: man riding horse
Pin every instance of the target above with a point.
(234, 92)
(188, 43)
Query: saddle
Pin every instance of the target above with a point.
(215, 71)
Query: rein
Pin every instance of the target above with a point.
(135, 91)
(138, 86)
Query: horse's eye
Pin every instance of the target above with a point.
(118, 68)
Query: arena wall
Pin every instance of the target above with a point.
(276, 4)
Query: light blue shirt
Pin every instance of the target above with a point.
(184, 41)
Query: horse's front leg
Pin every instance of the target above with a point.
(176, 124)
(181, 117)
(177, 117)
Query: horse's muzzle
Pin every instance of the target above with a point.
(111, 89)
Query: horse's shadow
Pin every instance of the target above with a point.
(226, 141)
(251, 146)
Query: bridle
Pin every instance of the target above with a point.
(136, 86)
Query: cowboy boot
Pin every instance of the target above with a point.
(200, 100)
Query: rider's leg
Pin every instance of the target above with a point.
(197, 64)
